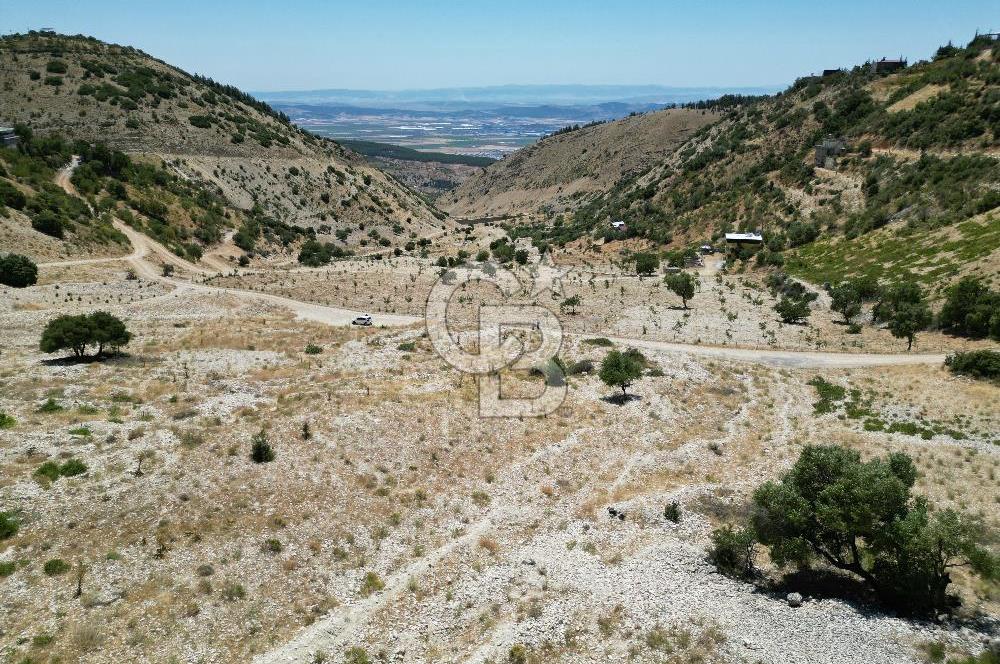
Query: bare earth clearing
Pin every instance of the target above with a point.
(480, 533)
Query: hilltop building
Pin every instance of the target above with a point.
(8, 138)
(828, 151)
(887, 66)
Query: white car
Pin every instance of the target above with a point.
(362, 320)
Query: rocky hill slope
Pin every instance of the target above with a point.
(914, 192)
(561, 170)
(84, 89)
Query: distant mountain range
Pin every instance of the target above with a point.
(508, 95)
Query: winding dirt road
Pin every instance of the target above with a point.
(143, 246)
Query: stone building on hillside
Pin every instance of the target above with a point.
(828, 151)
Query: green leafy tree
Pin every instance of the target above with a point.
(76, 332)
(909, 319)
(108, 331)
(621, 369)
(845, 300)
(792, 310)
(682, 285)
(521, 256)
(896, 296)
(860, 517)
(971, 309)
(570, 303)
(67, 332)
(646, 263)
(18, 271)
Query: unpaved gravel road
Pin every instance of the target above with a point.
(144, 246)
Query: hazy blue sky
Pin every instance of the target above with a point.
(304, 44)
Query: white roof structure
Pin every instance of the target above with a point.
(744, 237)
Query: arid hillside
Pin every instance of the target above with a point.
(908, 187)
(560, 171)
(84, 89)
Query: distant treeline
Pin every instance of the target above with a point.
(725, 102)
(576, 127)
(389, 151)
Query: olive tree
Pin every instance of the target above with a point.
(76, 332)
(621, 369)
(861, 518)
(682, 284)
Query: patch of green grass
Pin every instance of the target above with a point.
(313, 349)
(87, 409)
(50, 406)
(372, 583)
(55, 567)
(7, 568)
(81, 431)
(829, 395)
(599, 341)
(407, 346)
(6, 421)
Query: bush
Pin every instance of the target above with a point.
(55, 567)
(201, 121)
(733, 552)
(49, 223)
(313, 349)
(18, 271)
(11, 196)
(56, 67)
(8, 525)
(599, 341)
(260, 449)
(76, 332)
(372, 583)
(792, 311)
(860, 517)
(72, 467)
(50, 406)
(356, 655)
(976, 363)
(6, 421)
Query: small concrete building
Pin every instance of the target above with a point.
(8, 138)
(738, 239)
(828, 151)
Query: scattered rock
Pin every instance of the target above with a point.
(794, 599)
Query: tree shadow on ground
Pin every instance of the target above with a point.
(72, 360)
(620, 400)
